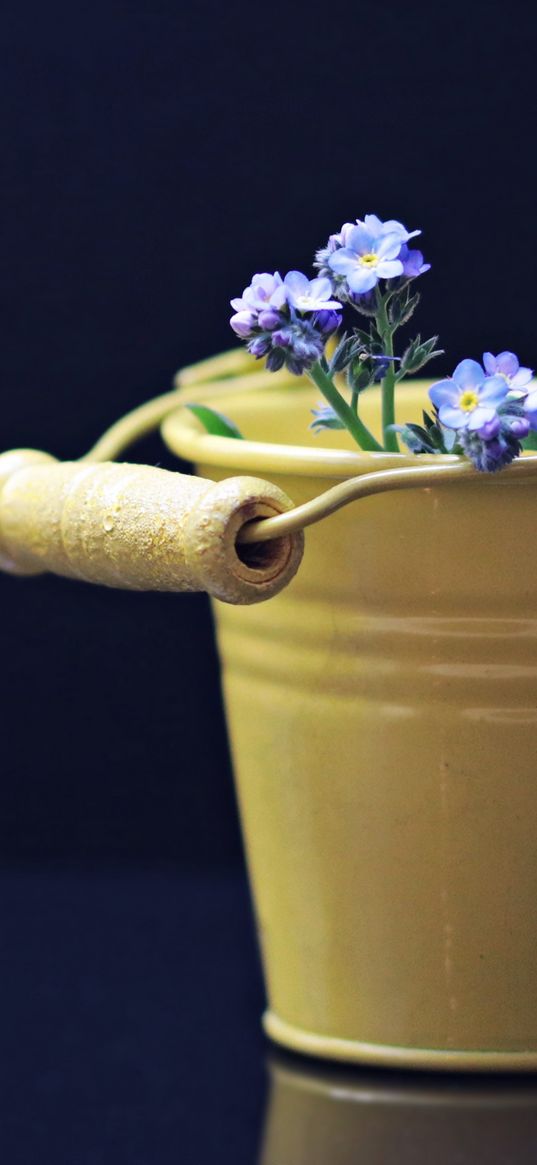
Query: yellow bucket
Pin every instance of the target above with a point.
(382, 712)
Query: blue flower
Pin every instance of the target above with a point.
(287, 321)
(264, 291)
(508, 365)
(259, 306)
(412, 261)
(374, 227)
(307, 295)
(366, 258)
(470, 399)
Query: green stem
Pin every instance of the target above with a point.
(356, 427)
(388, 384)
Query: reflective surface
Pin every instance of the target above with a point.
(319, 1116)
(129, 1012)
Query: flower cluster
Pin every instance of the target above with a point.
(483, 411)
(366, 251)
(489, 407)
(288, 321)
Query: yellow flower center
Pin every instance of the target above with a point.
(468, 400)
(369, 259)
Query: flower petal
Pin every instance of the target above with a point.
(320, 288)
(342, 261)
(493, 390)
(388, 246)
(361, 240)
(389, 268)
(373, 224)
(443, 392)
(265, 280)
(392, 227)
(343, 234)
(522, 378)
(452, 418)
(278, 297)
(362, 279)
(507, 363)
(297, 283)
(469, 374)
(489, 363)
(479, 417)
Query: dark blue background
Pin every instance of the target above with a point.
(153, 156)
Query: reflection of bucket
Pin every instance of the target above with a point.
(382, 714)
(341, 1117)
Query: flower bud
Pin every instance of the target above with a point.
(259, 346)
(275, 360)
(327, 321)
(282, 338)
(269, 319)
(243, 323)
(520, 426)
(490, 429)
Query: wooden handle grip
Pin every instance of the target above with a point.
(140, 528)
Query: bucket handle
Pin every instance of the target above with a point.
(141, 528)
(215, 375)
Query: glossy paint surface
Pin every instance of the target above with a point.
(382, 713)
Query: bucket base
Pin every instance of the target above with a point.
(384, 1056)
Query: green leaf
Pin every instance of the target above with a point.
(402, 306)
(215, 423)
(530, 442)
(418, 354)
(328, 421)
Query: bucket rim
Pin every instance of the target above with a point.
(185, 436)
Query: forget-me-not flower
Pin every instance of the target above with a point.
(287, 321)
(307, 295)
(265, 290)
(412, 261)
(508, 365)
(470, 399)
(376, 228)
(259, 304)
(366, 258)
